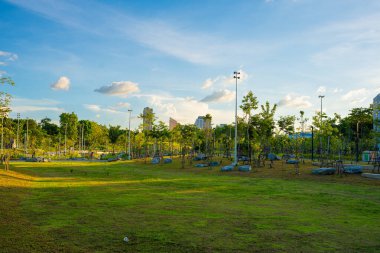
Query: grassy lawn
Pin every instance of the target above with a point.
(91, 207)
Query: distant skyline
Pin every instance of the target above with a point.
(101, 58)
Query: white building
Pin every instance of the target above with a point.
(203, 122)
(200, 122)
(148, 118)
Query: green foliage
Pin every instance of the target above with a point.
(286, 124)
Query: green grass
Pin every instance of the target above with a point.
(91, 207)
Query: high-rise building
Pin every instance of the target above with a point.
(148, 118)
(203, 122)
(200, 122)
(172, 123)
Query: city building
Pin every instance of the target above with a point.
(172, 123)
(200, 122)
(148, 118)
(203, 122)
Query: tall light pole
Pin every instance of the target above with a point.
(357, 142)
(65, 137)
(18, 129)
(236, 76)
(321, 97)
(320, 137)
(129, 135)
(2, 132)
(27, 137)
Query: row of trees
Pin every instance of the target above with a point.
(258, 133)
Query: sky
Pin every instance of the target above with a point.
(101, 58)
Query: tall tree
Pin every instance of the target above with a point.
(69, 128)
(114, 132)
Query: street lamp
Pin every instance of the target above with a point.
(320, 137)
(129, 135)
(26, 136)
(65, 137)
(18, 128)
(312, 143)
(357, 142)
(236, 77)
(2, 133)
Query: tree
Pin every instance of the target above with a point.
(114, 133)
(69, 127)
(249, 103)
(186, 135)
(286, 124)
(148, 121)
(50, 128)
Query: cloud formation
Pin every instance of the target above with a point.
(222, 81)
(32, 105)
(221, 96)
(185, 109)
(356, 96)
(98, 108)
(63, 83)
(121, 89)
(321, 90)
(7, 56)
(208, 83)
(294, 101)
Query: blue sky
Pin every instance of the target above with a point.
(100, 58)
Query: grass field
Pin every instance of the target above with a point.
(91, 207)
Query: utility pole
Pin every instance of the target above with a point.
(83, 146)
(312, 143)
(65, 137)
(320, 134)
(2, 133)
(27, 137)
(18, 130)
(357, 142)
(236, 77)
(129, 135)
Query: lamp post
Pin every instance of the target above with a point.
(312, 143)
(320, 136)
(236, 77)
(129, 135)
(65, 137)
(2, 133)
(26, 136)
(18, 129)
(357, 142)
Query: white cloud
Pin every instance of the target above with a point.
(63, 83)
(92, 107)
(34, 108)
(123, 105)
(98, 108)
(321, 90)
(294, 101)
(357, 96)
(220, 96)
(208, 83)
(222, 82)
(171, 39)
(185, 110)
(21, 105)
(9, 56)
(121, 89)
